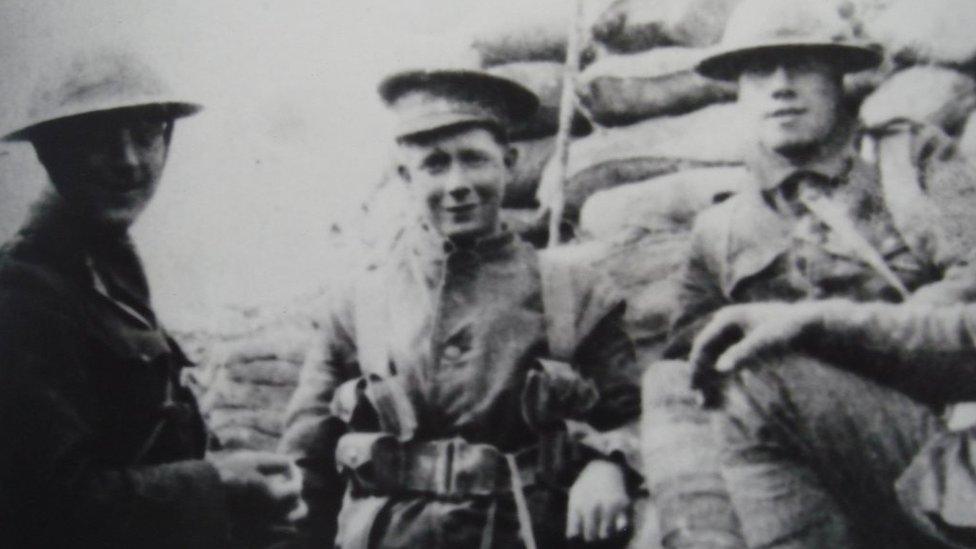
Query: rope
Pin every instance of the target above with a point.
(521, 506)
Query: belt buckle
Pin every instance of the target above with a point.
(445, 468)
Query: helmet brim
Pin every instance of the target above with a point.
(728, 63)
(172, 109)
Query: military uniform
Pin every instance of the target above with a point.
(765, 245)
(102, 444)
(459, 335)
(830, 227)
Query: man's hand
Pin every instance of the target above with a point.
(598, 503)
(262, 488)
(739, 334)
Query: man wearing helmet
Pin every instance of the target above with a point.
(447, 368)
(819, 222)
(102, 444)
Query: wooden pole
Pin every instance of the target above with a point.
(567, 107)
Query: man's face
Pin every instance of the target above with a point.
(459, 178)
(106, 166)
(794, 100)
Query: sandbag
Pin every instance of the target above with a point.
(636, 25)
(967, 140)
(664, 204)
(533, 154)
(265, 372)
(515, 30)
(710, 137)
(623, 89)
(951, 183)
(682, 460)
(930, 31)
(545, 79)
(247, 395)
(932, 95)
(641, 266)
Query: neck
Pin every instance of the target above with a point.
(801, 156)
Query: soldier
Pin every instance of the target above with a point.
(446, 368)
(102, 444)
(818, 222)
(841, 405)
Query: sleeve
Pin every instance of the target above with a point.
(606, 356)
(926, 352)
(699, 295)
(938, 489)
(59, 490)
(312, 431)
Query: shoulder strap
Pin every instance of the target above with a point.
(573, 300)
(371, 320)
(915, 215)
(559, 307)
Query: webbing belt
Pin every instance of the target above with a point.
(447, 468)
(834, 217)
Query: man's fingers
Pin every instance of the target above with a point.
(591, 523)
(713, 340)
(270, 464)
(747, 350)
(573, 522)
(622, 523)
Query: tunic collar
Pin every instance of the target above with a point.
(103, 260)
(771, 170)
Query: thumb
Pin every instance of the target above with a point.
(748, 349)
(271, 464)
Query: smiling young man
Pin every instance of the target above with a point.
(102, 444)
(447, 368)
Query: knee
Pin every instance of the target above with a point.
(667, 382)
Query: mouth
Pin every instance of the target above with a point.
(788, 112)
(461, 210)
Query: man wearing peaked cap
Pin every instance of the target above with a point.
(102, 444)
(819, 222)
(425, 101)
(446, 371)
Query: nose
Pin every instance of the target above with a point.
(781, 82)
(127, 148)
(459, 194)
(457, 186)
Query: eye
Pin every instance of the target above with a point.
(436, 162)
(147, 132)
(760, 67)
(473, 158)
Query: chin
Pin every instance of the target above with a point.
(791, 144)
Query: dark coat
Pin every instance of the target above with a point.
(101, 445)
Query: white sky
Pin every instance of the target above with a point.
(292, 138)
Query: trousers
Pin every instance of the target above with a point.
(811, 454)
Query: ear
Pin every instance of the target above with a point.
(511, 157)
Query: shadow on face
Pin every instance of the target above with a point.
(458, 176)
(106, 165)
(793, 98)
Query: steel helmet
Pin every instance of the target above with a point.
(97, 82)
(758, 26)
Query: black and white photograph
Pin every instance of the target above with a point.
(527, 274)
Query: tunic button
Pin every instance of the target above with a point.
(452, 352)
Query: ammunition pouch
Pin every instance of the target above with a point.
(555, 392)
(379, 464)
(372, 403)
